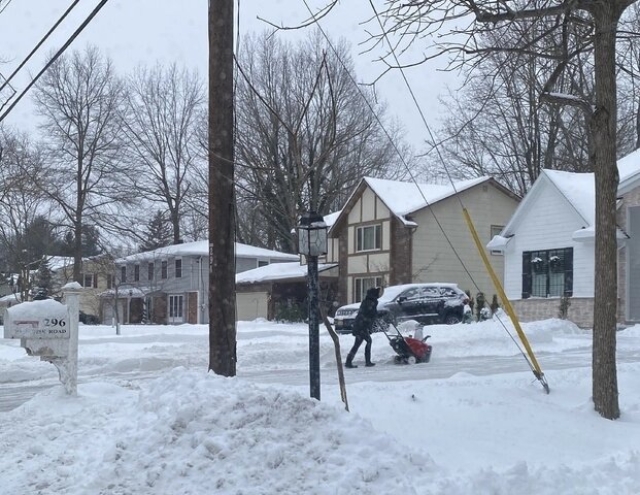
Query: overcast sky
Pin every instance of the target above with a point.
(145, 31)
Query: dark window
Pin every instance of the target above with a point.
(369, 238)
(123, 274)
(150, 272)
(362, 285)
(109, 281)
(262, 263)
(163, 269)
(547, 273)
(178, 268)
(88, 280)
(136, 273)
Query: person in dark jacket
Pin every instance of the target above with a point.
(363, 325)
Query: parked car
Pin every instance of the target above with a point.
(432, 303)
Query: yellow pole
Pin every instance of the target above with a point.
(506, 304)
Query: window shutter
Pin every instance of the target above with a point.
(568, 272)
(526, 275)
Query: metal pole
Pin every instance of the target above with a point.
(314, 331)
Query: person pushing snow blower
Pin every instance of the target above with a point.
(363, 325)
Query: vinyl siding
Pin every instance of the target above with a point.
(433, 259)
(549, 224)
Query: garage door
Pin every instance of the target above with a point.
(251, 305)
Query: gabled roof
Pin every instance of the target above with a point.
(577, 188)
(579, 191)
(404, 198)
(201, 248)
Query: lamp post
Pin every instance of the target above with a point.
(312, 242)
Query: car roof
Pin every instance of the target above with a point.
(393, 291)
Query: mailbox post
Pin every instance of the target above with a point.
(49, 329)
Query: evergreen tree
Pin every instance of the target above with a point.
(43, 277)
(158, 233)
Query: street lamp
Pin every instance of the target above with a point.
(312, 242)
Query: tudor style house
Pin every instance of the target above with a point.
(170, 284)
(549, 246)
(392, 232)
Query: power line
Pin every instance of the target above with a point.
(57, 55)
(35, 49)
(5, 6)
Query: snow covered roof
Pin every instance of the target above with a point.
(579, 189)
(403, 198)
(201, 248)
(278, 271)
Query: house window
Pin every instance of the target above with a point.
(178, 265)
(547, 273)
(89, 280)
(262, 263)
(163, 270)
(109, 281)
(136, 273)
(369, 238)
(362, 285)
(150, 269)
(123, 274)
(496, 230)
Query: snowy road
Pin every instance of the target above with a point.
(277, 354)
(133, 370)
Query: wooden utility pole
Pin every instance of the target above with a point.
(222, 293)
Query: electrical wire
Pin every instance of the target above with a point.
(5, 6)
(55, 57)
(39, 44)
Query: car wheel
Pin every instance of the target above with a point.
(412, 360)
(451, 319)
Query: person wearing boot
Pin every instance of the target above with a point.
(363, 325)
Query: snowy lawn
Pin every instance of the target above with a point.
(148, 419)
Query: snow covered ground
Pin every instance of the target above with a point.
(149, 419)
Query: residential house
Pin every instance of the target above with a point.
(279, 291)
(392, 232)
(549, 247)
(95, 278)
(171, 284)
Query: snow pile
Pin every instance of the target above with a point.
(186, 430)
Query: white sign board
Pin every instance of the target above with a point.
(46, 319)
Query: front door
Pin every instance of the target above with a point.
(176, 308)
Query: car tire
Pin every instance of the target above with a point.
(411, 360)
(451, 319)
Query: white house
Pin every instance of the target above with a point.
(549, 246)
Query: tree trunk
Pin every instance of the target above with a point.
(605, 386)
(222, 296)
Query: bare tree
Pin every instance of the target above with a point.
(578, 26)
(24, 230)
(306, 133)
(163, 105)
(497, 125)
(80, 100)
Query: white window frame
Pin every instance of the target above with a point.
(362, 284)
(496, 230)
(361, 238)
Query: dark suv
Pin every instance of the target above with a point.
(425, 303)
